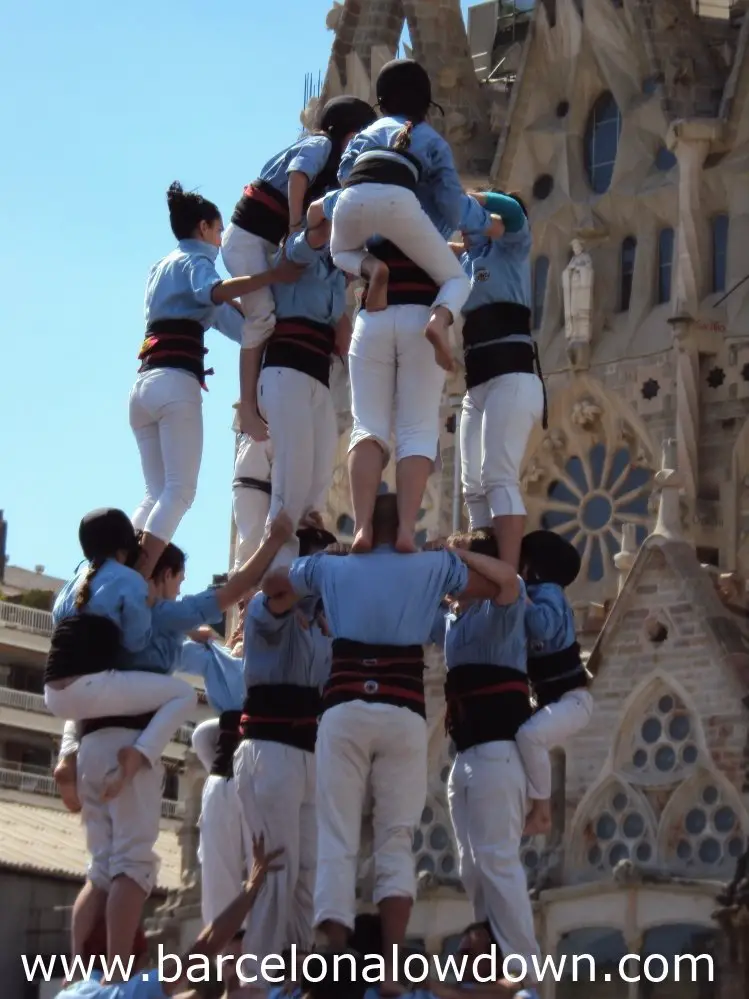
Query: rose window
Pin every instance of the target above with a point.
(707, 834)
(433, 847)
(663, 744)
(619, 830)
(591, 500)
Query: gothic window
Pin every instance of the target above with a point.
(702, 829)
(540, 276)
(619, 829)
(602, 141)
(626, 271)
(606, 947)
(720, 251)
(665, 264)
(661, 744)
(433, 846)
(589, 503)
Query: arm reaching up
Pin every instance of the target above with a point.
(252, 572)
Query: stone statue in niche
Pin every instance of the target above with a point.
(577, 287)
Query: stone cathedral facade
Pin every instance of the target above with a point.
(624, 125)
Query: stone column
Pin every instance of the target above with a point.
(687, 402)
(737, 303)
(668, 481)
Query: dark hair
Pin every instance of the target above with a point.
(482, 541)
(83, 595)
(403, 139)
(102, 535)
(338, 119)
(187, 210)
(172, 559)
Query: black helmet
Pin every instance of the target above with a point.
(105, 532)
(404, 88)
(549, 558)
(343, 115)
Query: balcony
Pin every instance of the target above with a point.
(37, 622)
(37, 780)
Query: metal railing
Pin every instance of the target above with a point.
(38, 622)
(37, 780)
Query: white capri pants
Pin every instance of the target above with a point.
(358, 742)
(487, 797)
(225, 847)
(392, 367)
(246, 255)
(120, 834)
(166, 416)
(396, 214)
(549, 727)
(250, 505)
(128, 692)
(302, 422)
(496, 422)
(276, 788)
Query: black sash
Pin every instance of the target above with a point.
(263, 211)
(485, 704)
(303, 345)
(556, 674)
(282, 712)
(371, 168)
(407, 283)
(175, 343)
(246, 482)
(133, 722)
(228, 739)
(82, 645)
(380, 674)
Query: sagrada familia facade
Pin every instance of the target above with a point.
(624, 125)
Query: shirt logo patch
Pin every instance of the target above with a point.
(482, 275)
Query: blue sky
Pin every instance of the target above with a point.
(104, 105)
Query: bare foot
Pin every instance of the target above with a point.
(363, 540)
(405, 543)
(130, 762)
(66, 778)
(436, 333)
(538, 822)
(377, 290)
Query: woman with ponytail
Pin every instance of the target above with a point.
(184, 296)
(270, 208)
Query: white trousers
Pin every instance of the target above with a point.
(128, 692)
(394, 376)
(487, 797)
(250, 505)
(225, 847)
(166, 416)
(120, 834)
(358, 743)
(549, 727)
(395, 214)
(276, 788)
(496, 422)
(246, 255)
(302, 423)
(205, 742)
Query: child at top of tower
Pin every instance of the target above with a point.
(272, 207)
(400, 183)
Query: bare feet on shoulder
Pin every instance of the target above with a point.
(377, 290)
(538, 822)
(405, 543)
(363, 540)
(436, 333)
(130, 761)
(66, 778)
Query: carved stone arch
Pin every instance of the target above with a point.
(735, 556)
(703, 828)
(613, 822)
(588, 475)
(660, 740)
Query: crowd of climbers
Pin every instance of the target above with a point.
(319, 693)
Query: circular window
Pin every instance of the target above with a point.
(724, 820)
(695, 821)
(427, 816)
(562, 109)
(543, 186)
(621, 830)
(710, 851)
(710, 795)
(425, 865)
(666, 705)
(665, 759)
(596, 512)
(447, 864)
(606, 827)
(689, 754)
(438, 838)
(679, 727)
(640, 759)
(620, 802)
(634, 826)
(644, 853)
(602, 142)
(618, 853)
(651, 730)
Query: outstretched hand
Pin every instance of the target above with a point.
(263, 863)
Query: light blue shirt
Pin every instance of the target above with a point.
(500, 270)
(487, 634)
(439, 191)
(308, 156)
(381, 598)
(179, 287)
(221, 672)
(474, 219)
(549, 621)
(172, 619)
(117, 593)
(278, 649)
(320, 292)
(136, 988)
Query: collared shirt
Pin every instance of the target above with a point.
(279, 649)
(136, 988)
(221, 672)
(117, 593)
(172, 619)
(383, 597)
(487, 634)
(179, 287)
(549, 621)
(308, 156)
(439, 191)
(499, 269)
(320, 292)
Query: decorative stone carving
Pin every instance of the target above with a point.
(333, 18)
(669, 523)
(555, 442)
(586, 414)
(577, 287)
(534, 474)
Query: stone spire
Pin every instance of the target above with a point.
(668, 481)
(625, 559)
